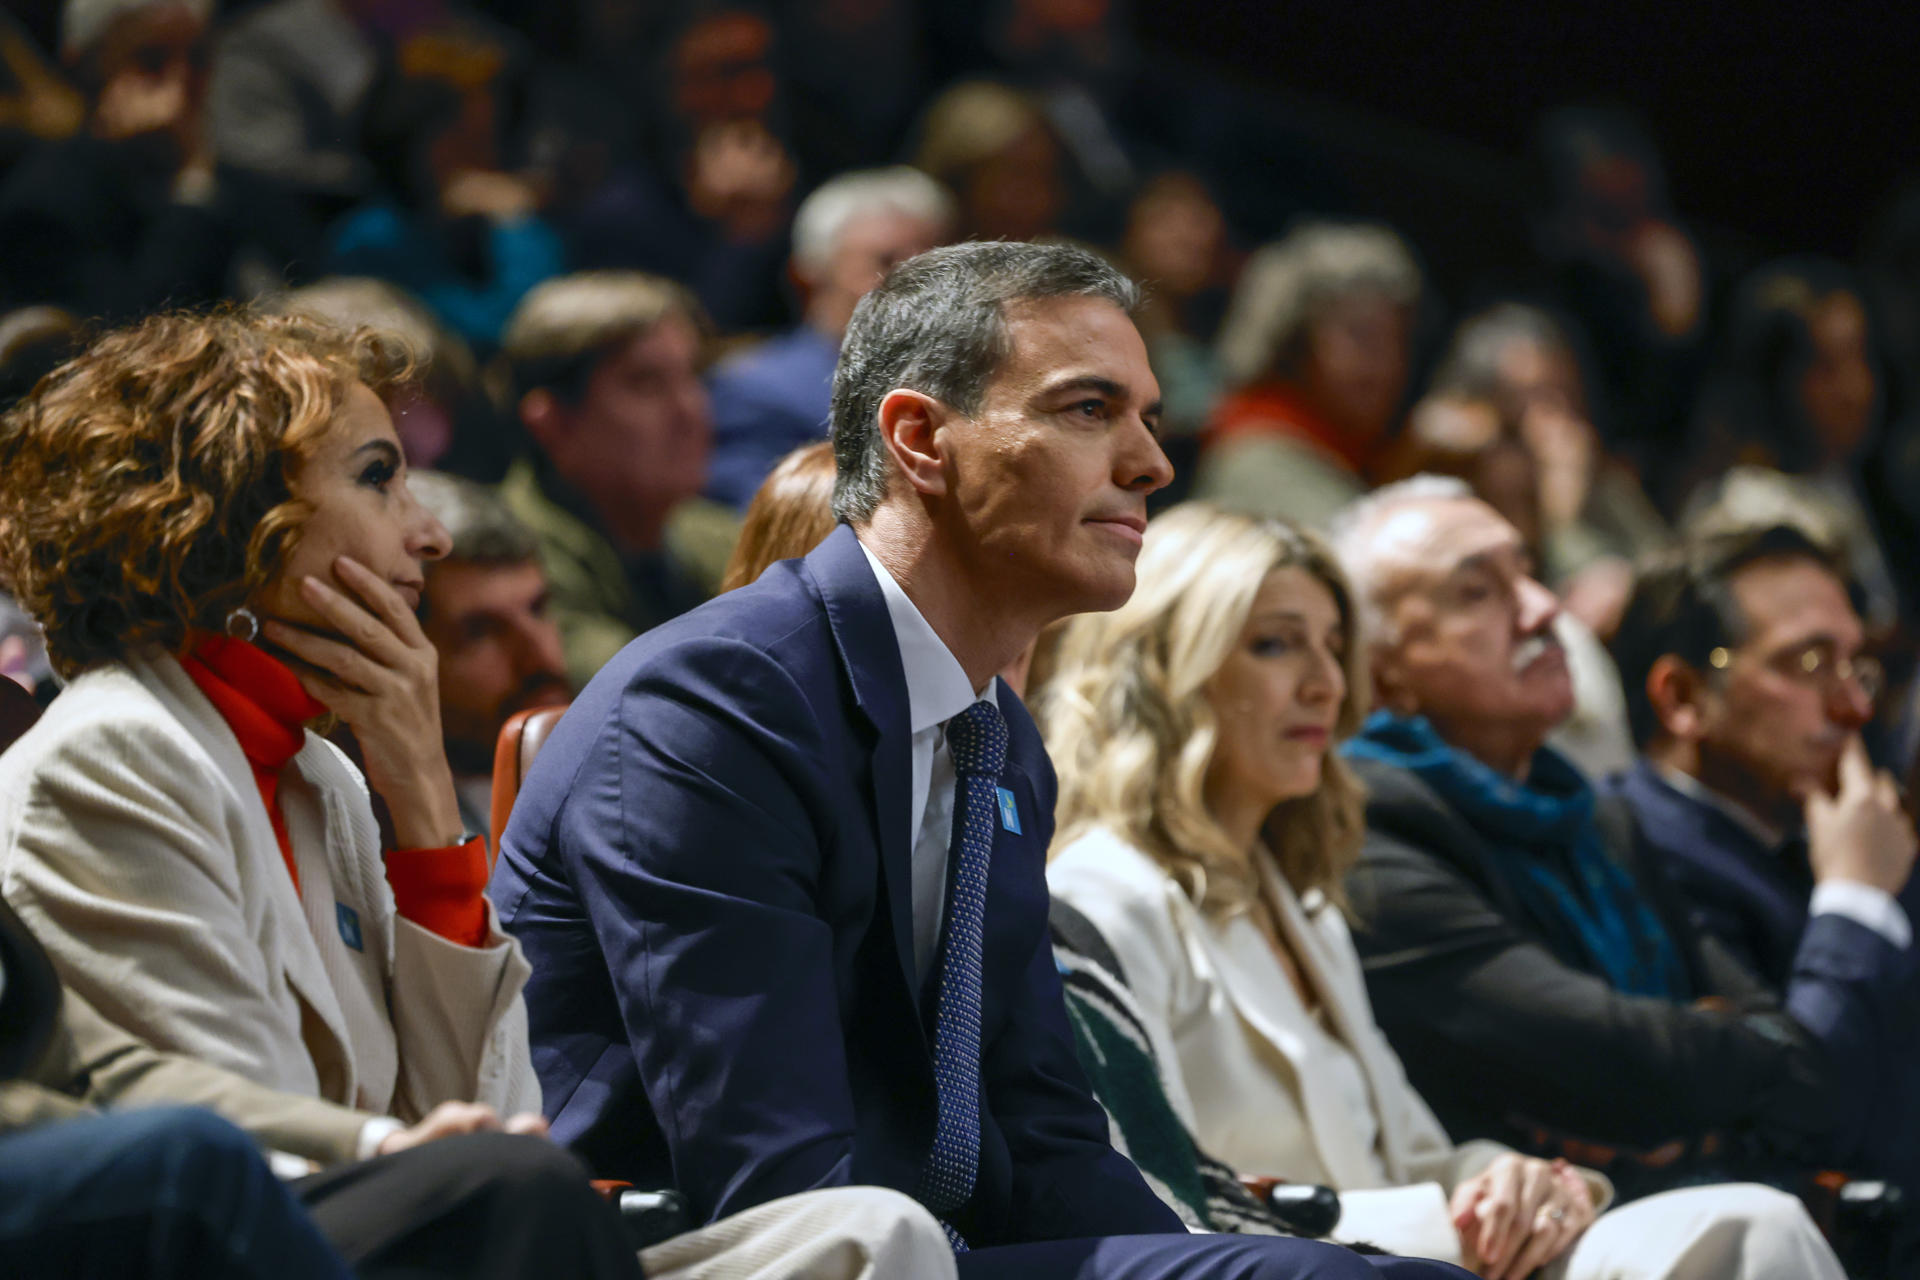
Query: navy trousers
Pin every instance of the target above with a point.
(161, 1193)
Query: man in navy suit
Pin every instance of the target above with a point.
(1741, 657)
(780, 869)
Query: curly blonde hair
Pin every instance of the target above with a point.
(1130, 727)
(144, 484)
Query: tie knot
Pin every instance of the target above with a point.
(977, 737)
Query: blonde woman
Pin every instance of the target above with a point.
(1205, 827)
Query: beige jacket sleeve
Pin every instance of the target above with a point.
(460, 1022)
(95, 1063)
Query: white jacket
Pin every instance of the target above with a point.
(1235, 1044)
(134, 843)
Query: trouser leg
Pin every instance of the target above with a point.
(486, 1206)
(167, 1193)
(1728, 1231)
(845, 1233)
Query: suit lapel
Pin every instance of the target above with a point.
(863, 633)
(259, 862)
(1267, 1002)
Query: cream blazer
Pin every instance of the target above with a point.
(134, 844)
(1236, 1046)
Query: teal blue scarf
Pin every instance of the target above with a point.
(1552, 812)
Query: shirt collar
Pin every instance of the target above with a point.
(1738, 814)
(937, 685)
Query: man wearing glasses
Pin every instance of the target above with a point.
(1746, 686)
(1525, 950)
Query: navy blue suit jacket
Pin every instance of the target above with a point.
(1751, 897)
(708, 867)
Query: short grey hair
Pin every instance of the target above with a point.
(1287, 285)
(824, 216)
(1351, 534)
(937, 325)
(483, 529)
(1472, 362)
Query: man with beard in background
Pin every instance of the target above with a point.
(485, 609)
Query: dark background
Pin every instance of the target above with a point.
(1786, 124)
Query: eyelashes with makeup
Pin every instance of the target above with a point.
(379, 475)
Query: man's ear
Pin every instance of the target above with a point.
(1677, 693)
(541, 414)
(908, 423)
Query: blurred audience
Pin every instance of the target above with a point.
(484, 608)
(128, 213)
(1799, 390)
(707, 198)
(772, 398)
(36, 104)
(1530, 965)
(441, 413)
(449, 219)
(1745, 672)
(993, 148)
(285, 107)
(1594, 518)
(1625, 267)
(604, 373)
(1176, 244)
(1315, 351)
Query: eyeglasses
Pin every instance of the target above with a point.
(1818, 664)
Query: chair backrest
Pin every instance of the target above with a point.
(18, 711)
(521, 738)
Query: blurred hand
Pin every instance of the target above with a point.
(1667, 265)
(740, 175)
(1506, 1215)
(135, 103)
(1563, 447)
(1598, 594)
(1861, 833)
(451, 1119)
(501, 196)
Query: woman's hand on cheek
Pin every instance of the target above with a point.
(380, 675)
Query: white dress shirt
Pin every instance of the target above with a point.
(1866, 905)
(937, 691)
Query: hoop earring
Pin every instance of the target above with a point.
(243, 624)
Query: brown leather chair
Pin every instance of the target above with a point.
(521, 738)
(18, 711)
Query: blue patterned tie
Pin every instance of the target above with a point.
(977, 737)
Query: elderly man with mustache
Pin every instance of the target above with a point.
(1526, 957)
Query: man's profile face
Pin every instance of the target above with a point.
(1050, 478)
(1474, 628)
(1769, 727)
(643, 420)
(499, 651)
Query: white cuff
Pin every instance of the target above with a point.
(372, 1134)
(1865, 905)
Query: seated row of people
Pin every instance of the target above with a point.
(776, 887)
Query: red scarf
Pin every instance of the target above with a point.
(264, 704)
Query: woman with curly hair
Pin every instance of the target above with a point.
(209, 516)
(1205, 827)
